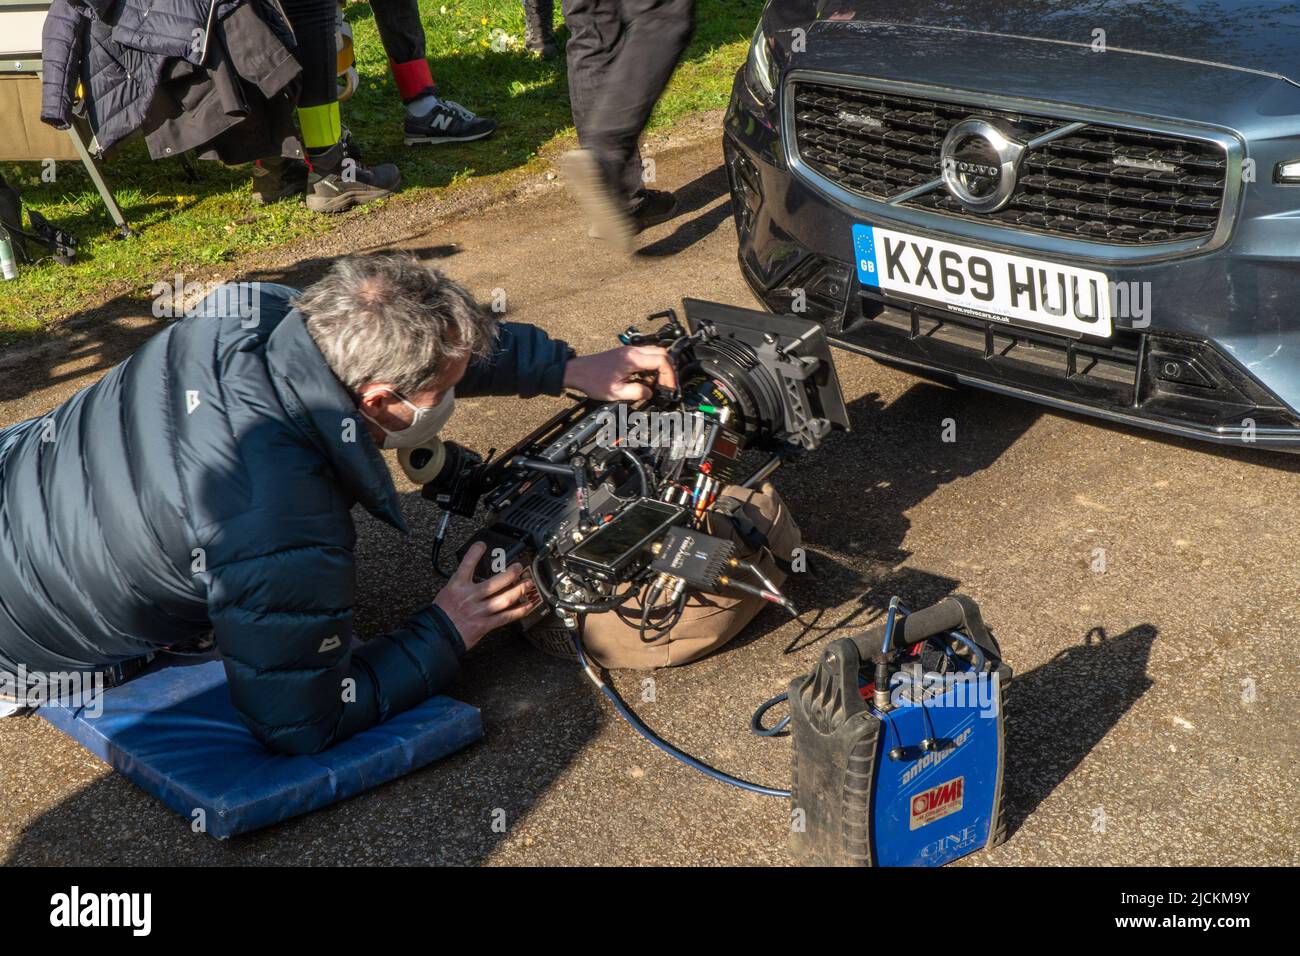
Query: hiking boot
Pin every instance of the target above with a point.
(443, 121)
(606, 211)
(338, 180)
(539, 37)
(650, 208)
(277, 178)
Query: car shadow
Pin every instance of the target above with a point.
(852, 497)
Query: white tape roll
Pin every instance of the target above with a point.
(350, 81)
(437, 455)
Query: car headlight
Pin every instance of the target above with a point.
(761, 76)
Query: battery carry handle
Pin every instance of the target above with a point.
(955, 613)
(828, 697)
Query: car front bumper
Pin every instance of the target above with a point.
(1218, 359)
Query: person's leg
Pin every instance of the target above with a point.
(595, 32)
(429, 119)
(338, 181)
(539, 37)
(402, 34)
(655, 34)
(318, 106)
(621, 55)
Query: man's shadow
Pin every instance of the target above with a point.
(1058, 712)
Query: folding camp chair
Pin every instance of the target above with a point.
(23, 137)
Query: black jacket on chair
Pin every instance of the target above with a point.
(151, 65)
(206, 484)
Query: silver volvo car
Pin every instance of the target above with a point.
(1094, 205)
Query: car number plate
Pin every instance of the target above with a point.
(982, 283)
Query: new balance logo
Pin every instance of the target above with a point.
(442, 121)
(330, 644)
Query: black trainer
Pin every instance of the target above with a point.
(277, 178)
(649, 208)
(447, 122)
(338, 180)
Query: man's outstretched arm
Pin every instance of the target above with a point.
(527, 362)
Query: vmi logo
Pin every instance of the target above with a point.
(937, 802)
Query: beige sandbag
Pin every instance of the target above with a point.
(708, 621)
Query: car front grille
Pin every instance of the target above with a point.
(1101, 183)
(1173, 378)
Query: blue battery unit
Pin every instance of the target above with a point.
(931, 806)
(897, 743)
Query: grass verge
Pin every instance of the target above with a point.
(476, 51)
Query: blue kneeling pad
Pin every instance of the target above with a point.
(173, 731)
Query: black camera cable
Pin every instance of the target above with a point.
(619, 704)
(640, 727)
(611, 604)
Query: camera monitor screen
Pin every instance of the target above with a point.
(611, 546)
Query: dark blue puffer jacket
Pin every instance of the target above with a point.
(206, 484)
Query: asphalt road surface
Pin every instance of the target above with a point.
(1144, 590)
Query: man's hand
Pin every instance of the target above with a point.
(479, 607)
(624, 374)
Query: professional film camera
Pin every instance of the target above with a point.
(892, 763)
(606, 501)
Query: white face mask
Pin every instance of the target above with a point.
(426, 421)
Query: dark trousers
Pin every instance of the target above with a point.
(400, 29)
(621, 55)
(313, 24)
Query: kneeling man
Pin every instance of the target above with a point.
(206, 483)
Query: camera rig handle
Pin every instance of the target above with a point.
(828, 697)
(666, 334)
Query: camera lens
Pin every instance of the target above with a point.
(728, 374)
